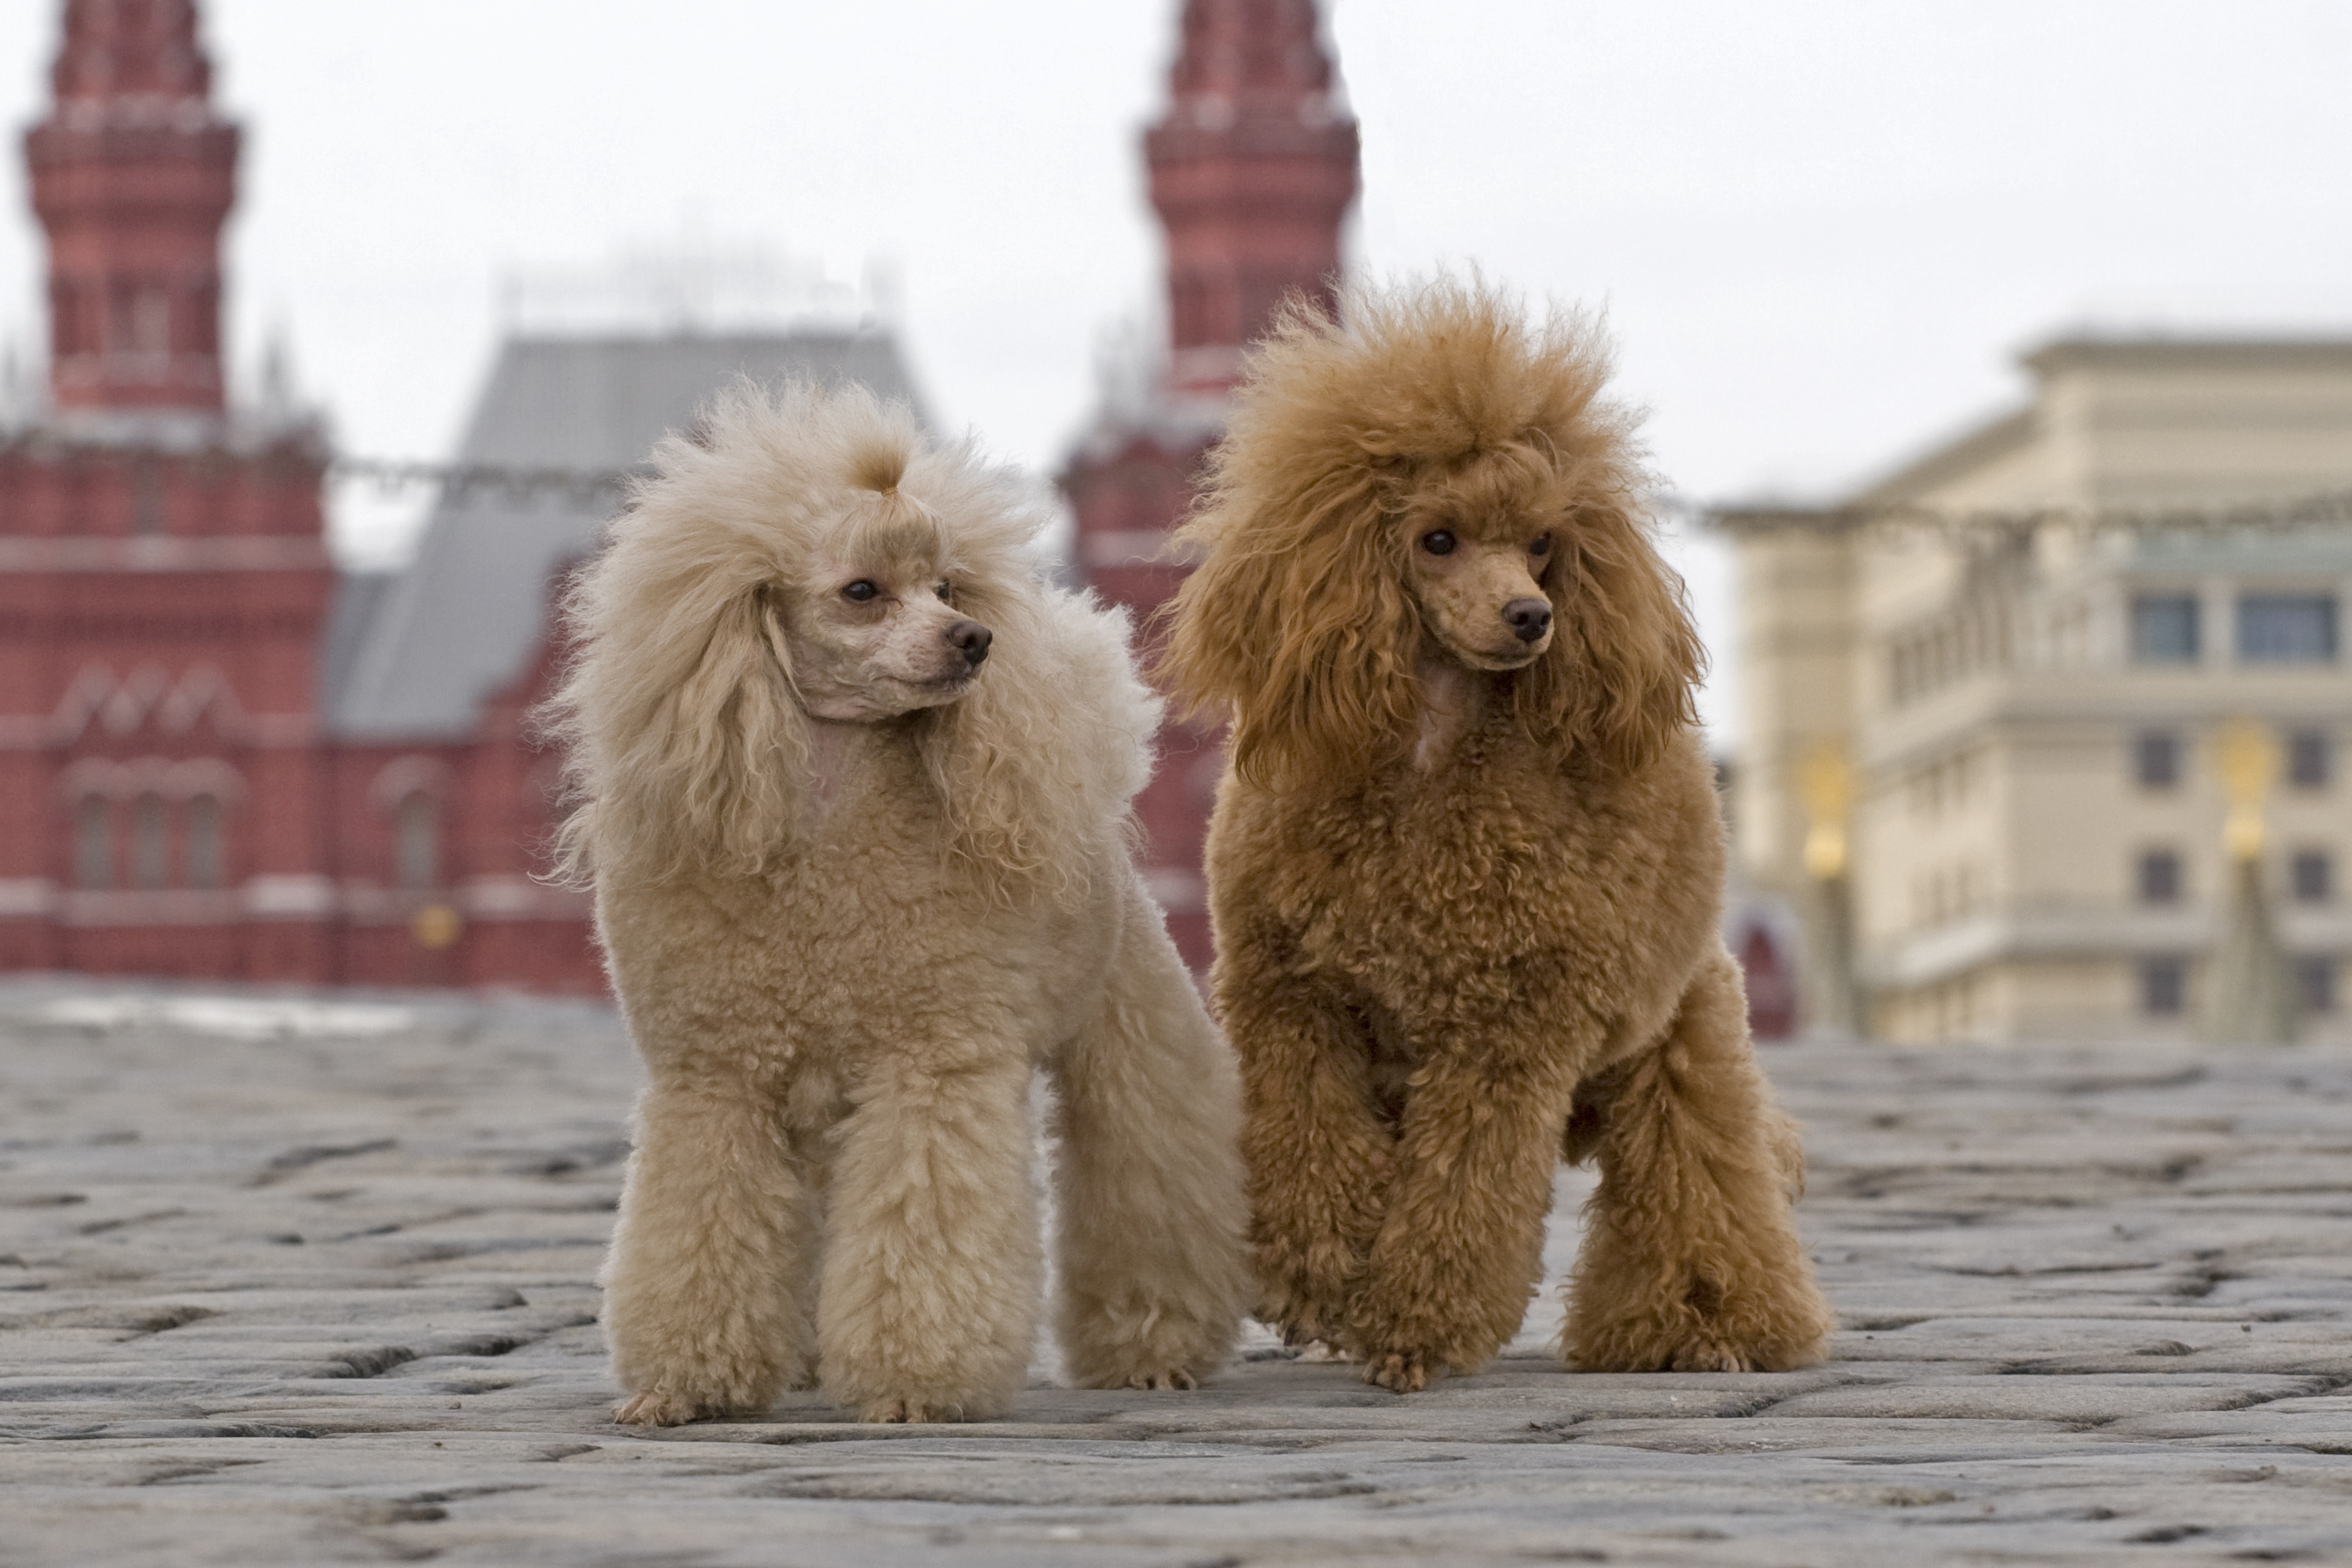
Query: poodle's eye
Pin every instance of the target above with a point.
(946, 593)
(861, 590)
(1541, 546)
(1437, 541)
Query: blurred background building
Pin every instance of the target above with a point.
(1253, 171)
(1985, 787)
(1989, 701)
(221, 759)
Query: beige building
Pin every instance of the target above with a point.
(2022, 695)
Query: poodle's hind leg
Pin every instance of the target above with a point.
(928, 1306)
(1460, 1251)
(702, 1295)
(1315, 1147)
(1151, 1214)
(1691, 1260)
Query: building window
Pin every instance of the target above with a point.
(2311, 876)
(2286, 628)
(2309, 761)
(146, 500)
(149, 865)
(2314, 982)
(94, 842)
(2163, 987)
(417, 846)
(206, 860)
(2163, 628)
(2155, 759)
(151, 322)
(2159, 879)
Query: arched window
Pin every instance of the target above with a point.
(148, 863)
(206, 860)
(417, 851)
(94, 842)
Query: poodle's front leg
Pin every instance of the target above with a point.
(1316, 1149)
(1460, 1250)
(1691, 1260)
(1151, 1214)
(927, 1311)
(701, 1291)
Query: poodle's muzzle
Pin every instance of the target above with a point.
(1528, 618)
(971, 639)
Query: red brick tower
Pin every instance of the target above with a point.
(163, 575)
(1253, 169)
(132, 175)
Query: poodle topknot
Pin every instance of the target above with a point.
(1466, 863)
(851, 782)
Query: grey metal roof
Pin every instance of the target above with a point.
(357, 595)
(416, 658)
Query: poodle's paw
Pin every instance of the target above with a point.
(1325, 1350)
(908, 1411)
(1709, 1355)
(658, 1407)
(1142, 1368)
(1643, 1347)
(1171, 1350)
(1403, 1371)
(1302, 1321)
(1169, 1377)
(1307, 1300)
(1740, 1333)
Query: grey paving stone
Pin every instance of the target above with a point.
(275, 1296)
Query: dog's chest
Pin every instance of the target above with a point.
(1454, 876)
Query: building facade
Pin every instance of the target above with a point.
(162, 558)
(220, 758)
(1253, 169)
(1985, 699)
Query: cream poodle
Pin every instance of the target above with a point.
(852, 785)
(1468, 866)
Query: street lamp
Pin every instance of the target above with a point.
(2250, 995)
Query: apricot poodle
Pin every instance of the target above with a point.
(852, 786)
(1466, 863)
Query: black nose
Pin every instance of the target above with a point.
(971, 639)
(1530, 618)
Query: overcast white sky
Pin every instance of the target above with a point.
(1822, 228)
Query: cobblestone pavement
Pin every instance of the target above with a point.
(289, 1283)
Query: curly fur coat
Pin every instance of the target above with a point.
(1466, 864)
(853, 784)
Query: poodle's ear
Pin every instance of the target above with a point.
(1298, 624)
(734, 745)
(1617, 684)
(687, 743)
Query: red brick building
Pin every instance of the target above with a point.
(164, 579)
(220, 759)
(1253, 168)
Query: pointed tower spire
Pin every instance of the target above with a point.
(132, 175)
(1253, 168)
